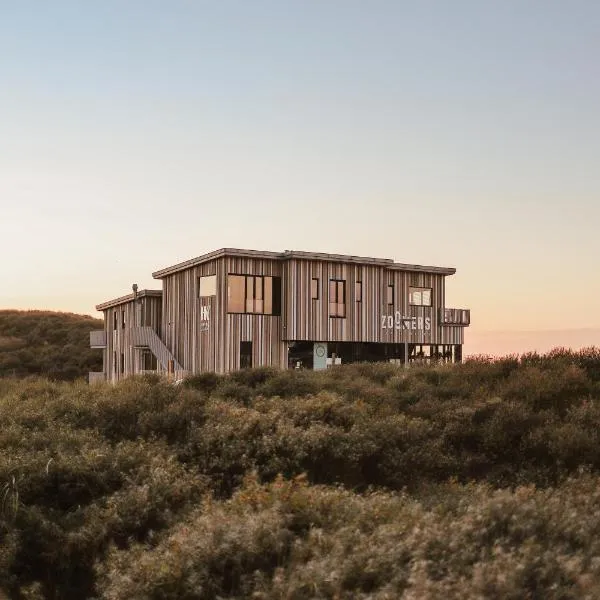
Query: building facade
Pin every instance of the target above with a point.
(232, 308)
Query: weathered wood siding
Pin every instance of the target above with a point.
(309, 319)
(264, 331)
(145, 311)
(214, 344)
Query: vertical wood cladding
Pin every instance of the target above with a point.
(121, 359)
(203, 336)
(213, 344)
(306, 318)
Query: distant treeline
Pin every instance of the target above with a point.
(52, 344)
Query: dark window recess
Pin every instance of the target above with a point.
(149, 361)
(115, 361)
(337, 298)
(245, 355)
(122, 363)
(115, 319)
(390, 294)
(314, 288)
(123, 319)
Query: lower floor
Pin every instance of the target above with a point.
(145, 357)
(319, 355)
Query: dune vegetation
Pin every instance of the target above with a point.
(479, 480)
(52, 344)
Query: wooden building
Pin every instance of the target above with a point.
(231, 309)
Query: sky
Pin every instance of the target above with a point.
(136, 134)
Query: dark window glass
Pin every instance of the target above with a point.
(245, 355)
(122, 363)
(123, 318)
(116, 319)
(276, 296)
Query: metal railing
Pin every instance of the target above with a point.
(455, 316)
(146, 337)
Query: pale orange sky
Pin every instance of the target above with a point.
(136, 135)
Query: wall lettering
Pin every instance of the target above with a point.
(399, 321)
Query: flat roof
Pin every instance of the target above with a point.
(301, 255)
(128, 298)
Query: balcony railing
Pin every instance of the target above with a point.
(98, 339)
(96, 376)
(455, 316)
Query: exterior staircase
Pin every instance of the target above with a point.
(146, 337)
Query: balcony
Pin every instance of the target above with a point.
(98, 339)
(96, 376)
(460, 317)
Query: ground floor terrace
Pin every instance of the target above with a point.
(321, 355)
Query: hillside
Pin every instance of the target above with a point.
(52, 344)
(364, 481)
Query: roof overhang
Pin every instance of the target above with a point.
(129, 298)
(388, 263)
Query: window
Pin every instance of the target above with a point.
(254, 294)
(418, 296)
(116, 320)
(115, 361)
(314, 288)
(149, 361)
(245, 355)
(390, 294)
(337, 298)
(207, 286)
(122, 363)
(123, 319)
(358, 291)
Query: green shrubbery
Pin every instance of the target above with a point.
(474, 480)
(52, 344)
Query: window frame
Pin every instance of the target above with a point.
(358, 291)
(340, 284)
(390, 294)
(275, 296)
(314, 288)
(199, 281)
(420, 289)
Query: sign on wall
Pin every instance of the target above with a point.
(400, 322)
(204, 318)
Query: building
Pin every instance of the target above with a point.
(231, 309)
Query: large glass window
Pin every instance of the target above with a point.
(254, 294)
(419, 296)
(337, 298)
(207, 286)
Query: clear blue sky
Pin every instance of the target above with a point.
(135, 134)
